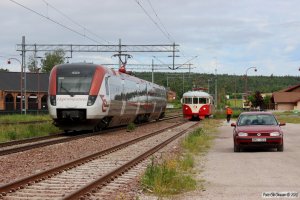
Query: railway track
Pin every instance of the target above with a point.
(27, 144)
(86, 177)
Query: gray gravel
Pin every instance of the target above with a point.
(23, 164)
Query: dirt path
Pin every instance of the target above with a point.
(246, 175)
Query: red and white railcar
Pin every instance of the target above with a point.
(197, 105)
(87, 96)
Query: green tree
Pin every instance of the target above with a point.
(258, 100)
(267, 101)
(32, 64)
(53, 58)
(4, 70)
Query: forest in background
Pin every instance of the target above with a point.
(226, 84)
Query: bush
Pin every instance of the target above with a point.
(164, 179)
(131, 127)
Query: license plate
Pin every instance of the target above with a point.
(259, 139)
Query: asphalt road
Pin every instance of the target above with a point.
(246, 175)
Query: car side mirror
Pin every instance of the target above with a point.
(281, 123)
(233, 124)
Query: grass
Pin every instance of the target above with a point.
(222, 114)
(235, 103)
(23, 131)
(197, 141)
(166, 178)
(288, 117)
(23, 118)
(18, 132)
(131, 127)
(175, 175)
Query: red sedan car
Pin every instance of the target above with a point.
(257, 129)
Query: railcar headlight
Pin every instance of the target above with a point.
(53, 100)
(91, 100)
(275, 134)
(242, 134)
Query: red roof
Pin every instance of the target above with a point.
(291, 89)
(286, 97)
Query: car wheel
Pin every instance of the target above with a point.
(236, 148)
(280, 148)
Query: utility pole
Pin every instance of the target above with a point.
(174, 56)
(208, 80)
(152, 70)
(167, 81)
(23, 79)
(120, 52)
(216, 89)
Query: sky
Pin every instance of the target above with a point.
(214, 36)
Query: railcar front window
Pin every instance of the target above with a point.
(188, 100)
(195, 100)
(74, 85)
(202, 100)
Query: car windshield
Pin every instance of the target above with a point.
(257, 119)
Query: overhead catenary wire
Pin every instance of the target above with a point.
(73, 21)
(159, 20)
(155, 23)
(56, 22)
(162, 25)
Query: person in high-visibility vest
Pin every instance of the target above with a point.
(228, 113)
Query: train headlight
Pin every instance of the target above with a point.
(53, 100)
(91, 100)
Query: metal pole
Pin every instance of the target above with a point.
(23, 74)
(120, 51)
(246, 80)
(182, 83)
(167, 81)
(38, 92)
(216, 89)
(152, 71)
(25, 79)
(21, 80)
(174, 56)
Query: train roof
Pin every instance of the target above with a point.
(108, 70)
(195, 94)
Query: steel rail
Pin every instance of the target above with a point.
(62, 140)
(84, 191)
(20, 184)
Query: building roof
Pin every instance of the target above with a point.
(290, 89)
(10, 81)
(286, 97)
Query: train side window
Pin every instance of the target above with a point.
(195, 100)
(106, 85)
(202, 100)
(188, 100)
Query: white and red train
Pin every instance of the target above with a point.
(197, 105)
(91, 97)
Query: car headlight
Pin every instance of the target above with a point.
(242, 134)
(275, 134)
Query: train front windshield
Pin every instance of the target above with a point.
(74, 81)
(195, 100)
